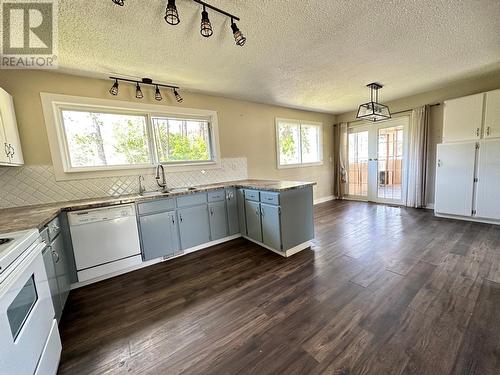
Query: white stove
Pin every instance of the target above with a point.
(14, 246)
(29, 336)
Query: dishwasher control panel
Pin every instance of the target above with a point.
(100, 214)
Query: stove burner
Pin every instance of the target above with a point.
(3, 241)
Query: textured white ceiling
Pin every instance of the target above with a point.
(311, 54)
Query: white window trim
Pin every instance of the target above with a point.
(320, 143)
(53, 103)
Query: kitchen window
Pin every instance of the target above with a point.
(99, 135)
(299, 143)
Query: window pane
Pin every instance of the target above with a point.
(182, 140)
(100, 139)
(289, 147)
(310, 143)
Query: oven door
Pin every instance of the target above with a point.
(26, 314)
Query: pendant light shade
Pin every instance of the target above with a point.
(138, 92)
(158, 94)
(171, 15)
(178, 97)
(114, 88)
(373, 110)
(239, 38)
(206, 26)
(119, 2)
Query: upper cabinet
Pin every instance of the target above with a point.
(492, 115)
(10, 152)
(472, 117)
(463, 118)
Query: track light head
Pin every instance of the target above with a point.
(138, 91)
(158, 94)
(114, 89)
(206, 26)
(178, 97)
(239, 38)
(119, 2)
(171, 15)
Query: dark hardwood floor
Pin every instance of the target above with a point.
(384, 290)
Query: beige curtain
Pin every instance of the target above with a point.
(417, 157)
(340, 163)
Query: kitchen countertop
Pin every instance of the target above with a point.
(37, 216)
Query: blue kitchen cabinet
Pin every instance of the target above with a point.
(232, 211)
(218, 220)
(252, 215)
(271, 226)
(240, 201)
(194, 226)
(159, 235)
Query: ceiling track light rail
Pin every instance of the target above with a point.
(145, 81)
(172, 18)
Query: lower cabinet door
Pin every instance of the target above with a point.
(252, 213)
(62, 269)
(218, 220)
(48, 261)
(159, 235)
(194, 227)
(271, 226)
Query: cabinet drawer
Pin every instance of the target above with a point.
(156, 206)
(252, 195)
(216, 196)
(191, 200)
(270, 198)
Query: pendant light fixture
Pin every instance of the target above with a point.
(373, 110)
(138, 91)
(171, 15)
(158, 94)
(239, 38)
(119, 2)
(144, 81)
(206, 26)
(114, 89)
(178, 97)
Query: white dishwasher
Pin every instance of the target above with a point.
(105, 241)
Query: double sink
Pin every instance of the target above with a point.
(168, 191)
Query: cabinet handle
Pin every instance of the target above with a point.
(56, 255)
(180, 217)
(7, 151)
(173, 221)
(12, 148)
(488, 130)
(439, 162)
(261, 212)
(211, 212)
(477, 132)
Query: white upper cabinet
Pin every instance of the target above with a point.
(492, 115)
(463, 118)
(11, 153)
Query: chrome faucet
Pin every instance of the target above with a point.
(142, 189)
(163, 183)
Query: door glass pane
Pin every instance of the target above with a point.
(289, 143)
(358, 164)
(390, 163)
(21, 306)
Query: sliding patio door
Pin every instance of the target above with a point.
(377, 161)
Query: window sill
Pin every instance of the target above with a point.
(288, 166)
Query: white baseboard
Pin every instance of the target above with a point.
(324, 199)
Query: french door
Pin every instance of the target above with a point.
(377, 161)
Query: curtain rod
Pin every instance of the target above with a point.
(395, 113)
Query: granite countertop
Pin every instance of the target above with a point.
(37, 216)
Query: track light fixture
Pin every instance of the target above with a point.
(138, 91)
(144, 81)
(177, 96)
(206, 26)
(158, 94)
(172, 18)
(239, 38)
(171, 15)
(114, 89)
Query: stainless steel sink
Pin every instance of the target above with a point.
(179, 190)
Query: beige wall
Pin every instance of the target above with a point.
(246, 129)
(458, 89)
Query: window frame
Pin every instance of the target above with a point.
(54, 104)
(319, 125)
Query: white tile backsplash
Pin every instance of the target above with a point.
(36, 184)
